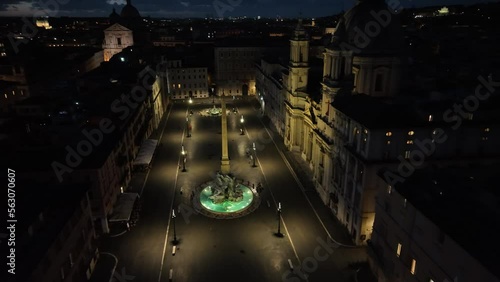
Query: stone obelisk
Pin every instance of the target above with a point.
(224, 163)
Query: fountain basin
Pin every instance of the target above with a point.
(226, 206)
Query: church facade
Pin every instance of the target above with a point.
(363, 122)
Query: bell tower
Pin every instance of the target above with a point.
(299, 58)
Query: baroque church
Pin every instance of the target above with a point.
(356, 62)
(120, 34)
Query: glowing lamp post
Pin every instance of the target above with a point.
(188, 127)
(242, 132)
(173, 219)
(254, 155)
(279, 219)
(183, 159)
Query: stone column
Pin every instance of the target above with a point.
(224, 166)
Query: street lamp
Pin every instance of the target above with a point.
(190, 100)
(241, 122)
(279, 220)
(188, 128)
(254, 155)
(184, 159)
(175, 234)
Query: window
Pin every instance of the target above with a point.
(409, 142)
(388, 142)
(388, 134)
(179, 86)
(413, 266)
(487, 129)
(398, 250)
(411, 133)
(407, 154)
(389, 189)
(431, 118)
(405, 203)
(119, 40)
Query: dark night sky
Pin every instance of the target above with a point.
(202, 8)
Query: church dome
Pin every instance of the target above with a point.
(129, 11)
(114, 17)
(369, 27)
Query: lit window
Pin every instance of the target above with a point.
(173, 85)
(409, 142)
(398, 250)
(487, 129)
(5, 95)
(366, 131)
(431, 280)
(388, 134)
(389, 189)
(413, 266)
(411, 133)
(407, 154)
(405, 202)
(389, 142)
(431, 118)
(179, 86)
(485, 138)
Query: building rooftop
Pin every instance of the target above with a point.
(464, 202)
(57, 205)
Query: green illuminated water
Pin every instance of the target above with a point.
(226, 206)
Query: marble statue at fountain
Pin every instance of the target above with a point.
(223, 188)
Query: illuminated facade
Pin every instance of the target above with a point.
(235, 70)
(116, 38)
(186, 81)
(361, 125)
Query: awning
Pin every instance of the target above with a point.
(123, 207)
(146, 152)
